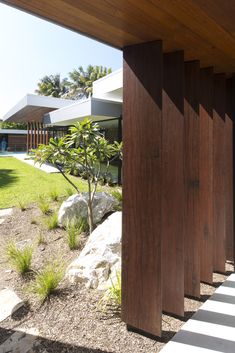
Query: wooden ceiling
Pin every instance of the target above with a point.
(204, 29)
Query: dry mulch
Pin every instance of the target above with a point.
(72, 320)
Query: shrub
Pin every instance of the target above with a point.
(47, 280)
(52, 221)
(54, 195)
(20, 258)
(44, 205)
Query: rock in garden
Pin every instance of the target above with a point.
(9, 303)
(101, 257)
(76, 207)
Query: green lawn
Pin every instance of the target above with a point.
(22, 182)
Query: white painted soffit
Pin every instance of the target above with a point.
(36, 101)
(96, 109)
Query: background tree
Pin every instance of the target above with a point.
(53, 86)
(82, 80)
(17, 126)
(88, 149)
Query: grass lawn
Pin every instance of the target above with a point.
(22, 182)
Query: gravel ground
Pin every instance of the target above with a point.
(72, 320)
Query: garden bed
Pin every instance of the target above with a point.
(72, 320)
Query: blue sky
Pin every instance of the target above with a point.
(31, 48)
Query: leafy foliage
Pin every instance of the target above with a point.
(17, 126)
(82, 80)
(52, 85)
(20, 258)
(85, 146)
(48, 279)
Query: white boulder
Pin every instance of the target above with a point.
(100, 259)
(76, 206)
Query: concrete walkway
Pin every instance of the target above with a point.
(23, 157)
(212, 327)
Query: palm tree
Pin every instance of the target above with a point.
(53, 86)
(81, 80)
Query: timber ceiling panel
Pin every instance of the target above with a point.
(204, 29)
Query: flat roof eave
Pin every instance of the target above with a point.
(33, 107)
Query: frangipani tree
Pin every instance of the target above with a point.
(86, 148)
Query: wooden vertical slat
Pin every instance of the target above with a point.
(173, 184)
(206, 174)
(28, 126)
(46, 137)
(229, 173)
(38, 131)
(219, 171)
(192, 236)
(31, 135)
(141, 241)
(34, 135)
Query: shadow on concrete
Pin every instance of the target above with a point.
(19, 342)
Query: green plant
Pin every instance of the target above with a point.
(114, 293)
(117, 194)
(52, 221)
(115, 290)
(21, 205)
(44, 205)
(54, 195)
(20, 258)
(74, 228)
(48, 279)
(41, 240)
(72, 236)
(88, 148)
(69, 191)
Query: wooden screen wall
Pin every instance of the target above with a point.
(36, 135)
(177, 182)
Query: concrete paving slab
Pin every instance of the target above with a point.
(21, 341)
(5, 212)
(44, 167)
(9, 303)
(212, 327)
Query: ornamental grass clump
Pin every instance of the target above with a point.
(54, 195)
(44, 205)
(113, 295)
(48, 279)
(52, 221)
(20, 259)
(74, 229)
